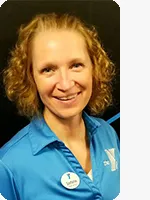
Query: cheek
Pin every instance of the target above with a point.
(86, 80)
(44, 87)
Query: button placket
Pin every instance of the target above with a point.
(80, 172)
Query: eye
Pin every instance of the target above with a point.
(47, 70)
(77, 65)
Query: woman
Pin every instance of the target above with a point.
(56, 69)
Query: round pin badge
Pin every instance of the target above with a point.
(70, 180)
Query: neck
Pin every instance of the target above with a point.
(68, 129)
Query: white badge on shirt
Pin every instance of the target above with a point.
(1, 197)
(70, 180)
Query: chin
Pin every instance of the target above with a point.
(67, 114)
(64, 112)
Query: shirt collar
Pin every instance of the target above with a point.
(91, 123)
(41, 135)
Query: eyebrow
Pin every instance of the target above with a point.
(50, 64)
(75, 60)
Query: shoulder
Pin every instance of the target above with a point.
(105, 125)
(14, 148)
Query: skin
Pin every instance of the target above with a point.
(62, 68)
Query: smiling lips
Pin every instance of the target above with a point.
(66, 98)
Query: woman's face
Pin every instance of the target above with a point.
(62, 71)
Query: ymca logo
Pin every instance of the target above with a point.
(1, 197)
(111, 155)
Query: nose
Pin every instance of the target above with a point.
(65, 81)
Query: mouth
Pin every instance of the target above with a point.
(68, 98)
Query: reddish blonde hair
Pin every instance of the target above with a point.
(17, 77)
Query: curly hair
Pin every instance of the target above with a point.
(17, 77)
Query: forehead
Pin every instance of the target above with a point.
(62, 44)
(59, 36)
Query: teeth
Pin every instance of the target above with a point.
(68, 98)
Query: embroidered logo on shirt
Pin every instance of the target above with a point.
(106, 162)
(111, 155)
(1, 197)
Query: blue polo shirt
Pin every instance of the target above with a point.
(35, 164)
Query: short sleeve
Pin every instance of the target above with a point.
(116, 137)
(7, 184)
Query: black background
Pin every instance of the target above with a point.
(105, 15)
